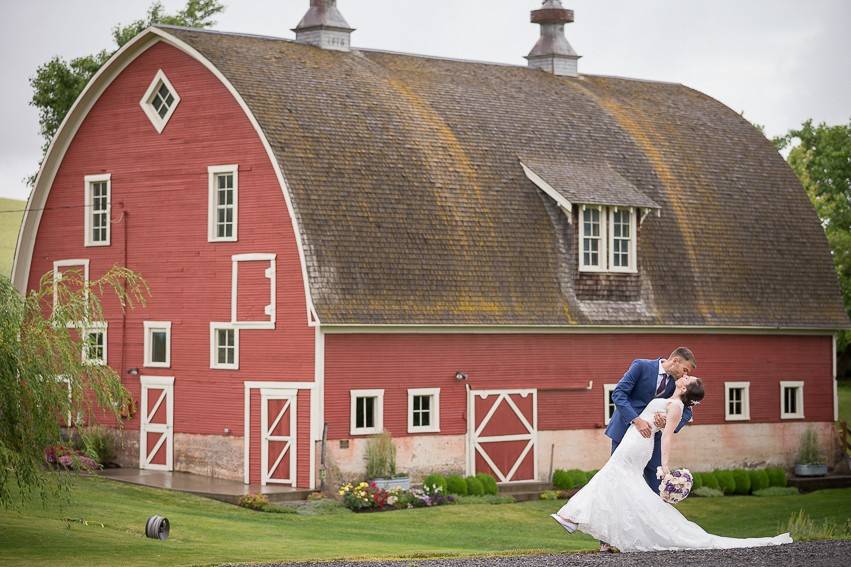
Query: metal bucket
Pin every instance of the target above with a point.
(157, 528)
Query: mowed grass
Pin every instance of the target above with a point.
(205, 532)
(844, 391)
(9, 224)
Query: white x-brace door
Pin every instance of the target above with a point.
(156, 430)
(506, 454)
(278, 436)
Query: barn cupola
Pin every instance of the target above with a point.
(324, 26)
(553, 52)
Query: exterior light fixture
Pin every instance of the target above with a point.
(133, 371)
(460, 376)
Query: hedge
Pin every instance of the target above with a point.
(743, 481)
(776, 476)
(474, 486)
(456, 485)
(710, 480)
(696, 480)
(759, 480)
(726, 482)
(434, 481)
(488, 483)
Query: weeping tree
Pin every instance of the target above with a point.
(44, 376)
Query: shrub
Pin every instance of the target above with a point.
(810, 451)
(707, 492)
(98, 443)
(254, 502)
(67, 458)
(710, 480)
(435, 483)
(548, 495)
(776, 491)
(488, 483)
(742, 478)
(726, 482)
(776, 476)
(697, 480)
(803, 528)
(456, 485)
(474, 486)
(380, 456)
(561, 479)
(759, 480)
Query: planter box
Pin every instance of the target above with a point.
(810, 470)
(402, 482)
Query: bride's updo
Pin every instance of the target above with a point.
(693, 393)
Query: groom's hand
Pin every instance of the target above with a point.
(642, 426)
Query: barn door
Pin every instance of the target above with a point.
(503, 434)
(156, 431)
(278, 436)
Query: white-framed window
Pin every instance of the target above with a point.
(608, 404)
(224, 346)
(94, 343)
(367, 412)
(737, 404)
(792, 400)
(98, 203)
(622, 239)
(157, 344)
(60, 266)
(424, 410)
(159, 101)
(223, 203)
(592, 238)
(246, 282)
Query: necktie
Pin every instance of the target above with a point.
(663, 385)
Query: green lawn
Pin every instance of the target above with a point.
(205, 532)
(844, 390)
(9, 223)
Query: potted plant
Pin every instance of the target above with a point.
(381, 464)
(810, 461)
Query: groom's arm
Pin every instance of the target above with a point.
(685, 419)
(623, 389)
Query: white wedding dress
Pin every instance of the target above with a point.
(618, 507)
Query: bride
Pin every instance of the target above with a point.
(617, 506)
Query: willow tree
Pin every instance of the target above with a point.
(44, 375)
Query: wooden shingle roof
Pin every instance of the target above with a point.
(405, 177)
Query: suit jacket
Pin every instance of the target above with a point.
(632, 394)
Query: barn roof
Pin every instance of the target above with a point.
(407, 186)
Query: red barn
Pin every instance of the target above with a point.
(467, 255)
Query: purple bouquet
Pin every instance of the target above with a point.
(675, 485)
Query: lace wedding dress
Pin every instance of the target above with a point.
(618, 507)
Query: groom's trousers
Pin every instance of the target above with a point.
(655, 461)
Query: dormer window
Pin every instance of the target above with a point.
(592, 241)
(160, 101)
(607, 239)
(623, 236)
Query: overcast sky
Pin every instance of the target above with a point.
(778, 61)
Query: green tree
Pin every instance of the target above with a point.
(58, 83)
(43, 376)
(821, 158)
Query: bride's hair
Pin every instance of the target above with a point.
(693, 393)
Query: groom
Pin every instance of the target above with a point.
(645, 380)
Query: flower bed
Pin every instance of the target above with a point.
(367, 497)
(63, 457)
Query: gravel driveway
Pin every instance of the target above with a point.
(805, 554)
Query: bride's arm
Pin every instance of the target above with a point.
(673, 415)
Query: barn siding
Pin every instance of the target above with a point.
(160, 182)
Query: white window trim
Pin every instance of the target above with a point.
(379, 412)
(157, 325)
(89, 211)
(212, 172)
(799, 402)
(603, 254)
(606, 389)
(746, 401)
(434, 411)
(57, 275)
(270, 275)
(99, 327)
(147, 99)
(214, 363)
(633, 239)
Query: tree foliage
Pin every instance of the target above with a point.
(43, 376)
(821, 158)
(58, 83)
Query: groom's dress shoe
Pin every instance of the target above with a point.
(569, 526)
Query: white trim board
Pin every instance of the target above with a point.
(799, 399)
(88, 181)
(357, 328)
(150, 326)
(213, 171)
(271, 275)
(434, 410)
(159, 122)
(746, 401)
(57, 275)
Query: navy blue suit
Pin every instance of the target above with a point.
(631, 396)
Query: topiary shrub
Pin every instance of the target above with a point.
(456, 485)
(474, 486)
(435, 483)
(776, 476)
(488, 483)
(696, 480)
(759, 480)
(743, 481)
(561, 479)
(726, 482)
(578, 479)
(710, 480)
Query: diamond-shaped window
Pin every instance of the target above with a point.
(160, 101)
